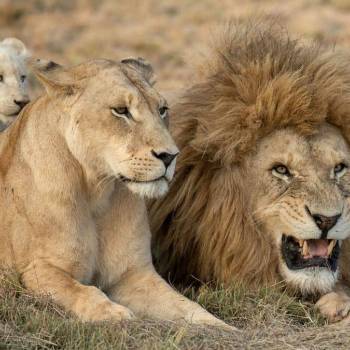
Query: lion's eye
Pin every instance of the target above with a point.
(121, 112)
(1, 78)
(339, 169)
(281, 169)
(163, 111)
(23, 78)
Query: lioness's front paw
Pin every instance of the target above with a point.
(203, 317)
(109, 311)
(334, 306)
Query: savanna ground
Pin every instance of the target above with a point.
(167, 33)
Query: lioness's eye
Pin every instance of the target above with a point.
(23, 78)
(163, 111)
(122, 112)
(281, 170)
(1, 78)
(339, 168)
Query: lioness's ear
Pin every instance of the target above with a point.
(16, 46)
(142, 66)
(55, 78)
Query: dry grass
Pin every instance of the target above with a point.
(167, 33)
(268, 319)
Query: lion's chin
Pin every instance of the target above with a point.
(310, 281)
(154, 189)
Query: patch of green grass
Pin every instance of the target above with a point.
(247, 309)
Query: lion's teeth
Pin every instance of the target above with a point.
(305, 249)
(301, 242)
(331, 246)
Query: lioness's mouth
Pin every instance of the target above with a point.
(14, 114)
(303, 253)
(126, 180)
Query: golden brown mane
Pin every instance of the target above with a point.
(257, 80)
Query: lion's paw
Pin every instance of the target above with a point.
(334, 306)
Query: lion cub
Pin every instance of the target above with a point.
(13, 80)
(73, 170)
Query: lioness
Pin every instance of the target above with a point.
(13, 80)
(72, 169)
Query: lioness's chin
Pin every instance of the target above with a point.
(153, 189)
(310, 281)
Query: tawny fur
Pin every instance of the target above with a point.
(255, 81)
(70, 223)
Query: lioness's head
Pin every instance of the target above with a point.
(116, 124)
(13, 79)
(301, 200)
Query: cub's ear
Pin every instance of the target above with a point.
(143, 67)
(54, 77)
(16, 46)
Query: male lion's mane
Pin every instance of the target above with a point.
(256, 79)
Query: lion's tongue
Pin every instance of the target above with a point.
(318, 247)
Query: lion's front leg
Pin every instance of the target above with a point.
(88, 303)
(147, 294)
(335, 306)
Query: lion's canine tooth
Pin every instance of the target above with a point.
(301, 242)
(331, 246)
(305, 248)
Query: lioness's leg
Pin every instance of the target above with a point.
(147, 294)
(127, 273)
(87, 302)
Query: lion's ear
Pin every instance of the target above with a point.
(143, 67)
(16, 45)
(55, 78)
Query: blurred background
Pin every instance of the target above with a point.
(165, 32)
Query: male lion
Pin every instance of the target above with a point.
(261, 191)
(72, 167)
(13, 80)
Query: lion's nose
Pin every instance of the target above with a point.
(21, 103)
(324, 223)
(165, 157)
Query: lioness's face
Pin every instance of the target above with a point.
(118, 126)
(302, 202)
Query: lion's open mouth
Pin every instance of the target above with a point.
(300, 254)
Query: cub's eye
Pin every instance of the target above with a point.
(280, 169)
(340, 169)
(1, 78)
(163, 111)
(121, 112)
(23, 78)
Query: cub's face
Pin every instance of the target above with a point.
(119, 123)
(13, 79)
(302, 192)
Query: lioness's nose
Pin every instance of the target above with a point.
(21, 103)
(165, 157)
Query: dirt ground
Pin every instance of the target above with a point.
(170, 34)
